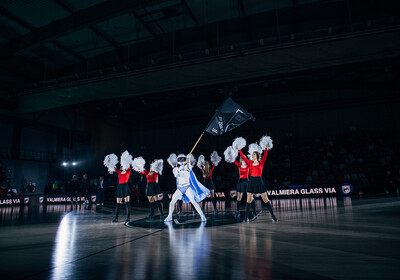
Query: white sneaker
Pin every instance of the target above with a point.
(168, 219)
(203, 218)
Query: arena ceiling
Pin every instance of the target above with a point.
(95, 54)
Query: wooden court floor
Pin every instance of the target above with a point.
(315, 238)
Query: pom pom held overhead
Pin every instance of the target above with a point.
(172, 160)
(111, 161)
(230, 154)
(138, 164)
(201, 162)
(157, 166)
(266, 142)
(239, 143)
(215, 158)
(126, 160)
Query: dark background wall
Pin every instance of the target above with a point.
(146, 76)
(46, 143)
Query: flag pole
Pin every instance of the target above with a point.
(198, 140)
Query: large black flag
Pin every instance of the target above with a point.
(228, 116)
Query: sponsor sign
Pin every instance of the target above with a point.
(292, 191)
(303, 191)
(61, 199)
(13, 200)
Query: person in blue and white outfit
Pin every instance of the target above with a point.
(189, 189)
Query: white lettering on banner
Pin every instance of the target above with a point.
(330, 190)
(5, 201)
(285, 192)
(13, 201)
(220, 194)
(56, 199)
(62, 199)
(312, 191)
(301, 191)
(217, 194)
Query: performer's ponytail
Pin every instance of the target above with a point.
(206, 169)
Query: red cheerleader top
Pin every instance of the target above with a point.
(243, 172)
(211, 171)
(123, 178)
(255, 171)
(150, 178)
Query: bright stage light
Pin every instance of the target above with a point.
(74, 163)
(65, 163)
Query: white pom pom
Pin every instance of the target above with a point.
(254, 148)
(266, 142)
(111, 161)
(126, 160)
(138, 164)
(200, 162)
(230, 154)
(239, 143)
(157, 166)
(192, 160)
(215, 158)
(172, 160)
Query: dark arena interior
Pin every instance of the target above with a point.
(111, 111)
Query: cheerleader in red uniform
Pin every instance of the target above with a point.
(242, 185)
(207, 171)
(123, 191)
(152, 189)
(256, 164)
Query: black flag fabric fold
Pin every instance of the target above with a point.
(228, 116)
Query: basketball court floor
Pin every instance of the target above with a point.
(315, 238)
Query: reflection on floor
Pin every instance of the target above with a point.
(315, 238)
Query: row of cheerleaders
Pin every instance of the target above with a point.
(189, 189)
